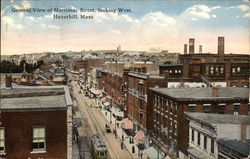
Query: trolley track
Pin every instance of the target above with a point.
(89, 114)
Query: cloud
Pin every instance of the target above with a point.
(26, 4)
(50, 26)
(243, 8)
(214, 16)
(198, 11)
(7, 20)
(157, 19)
(216, 7)
(117, 32)
(2, 11)
(247, 15)
(33, 18)
(10, 23)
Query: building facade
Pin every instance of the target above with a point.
(206, 129)
(30, 120)
(169, 105)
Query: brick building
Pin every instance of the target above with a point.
(139, 106)
(210, 68)
(34, 123)
(169, 120)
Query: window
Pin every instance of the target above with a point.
(199, 138)
(212, 146)
(2, 140)
(236, 108)
(238, 69)
(222, 108)
(207, 69)
(233, 70)
(206, 108)
(192, 135)
(222, 70)
(205, 142)
(212, 69)
(38, 142)
(191, 107)
(216, 69)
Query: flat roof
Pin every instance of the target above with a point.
(35, 97)
(38, 102)
(219, 118)
(198, 94)
(239, 146)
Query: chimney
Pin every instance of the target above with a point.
(220, 45)
(191, 46)
(8, 81)
(215, 91)
(243, 130)
(185, 48)
(200, 49)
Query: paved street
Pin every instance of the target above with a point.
(95, 124)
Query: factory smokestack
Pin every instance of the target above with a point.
(185, 48)
(200, 49)
(191, 46)
(221, 45)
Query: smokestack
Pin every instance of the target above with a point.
(191, 46)
(200, 49)
(8, 81)
(215, 92)
(185, 48)
(221, 45)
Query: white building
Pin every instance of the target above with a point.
(206, 128)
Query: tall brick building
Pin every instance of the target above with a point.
(139, 106)
(209, 68)
(34, 123)
(169, 105)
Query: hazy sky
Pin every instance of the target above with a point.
(163, 25)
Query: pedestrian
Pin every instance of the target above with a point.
(121, 145)
(133, 149)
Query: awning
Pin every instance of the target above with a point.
(127, 124)
(139, 137)
(95, 91)
(106, 104)
(103, 99)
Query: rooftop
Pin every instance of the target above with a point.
(219, 118)
(242, 147)
(198, 94)
(32, 98)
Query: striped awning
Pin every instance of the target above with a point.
(139, 137)
(127, 124)
(103, 99)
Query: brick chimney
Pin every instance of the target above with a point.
(8, 81)
(191, 46)
(221, 45)
(243, 131)
(215, 91)
(185, 48)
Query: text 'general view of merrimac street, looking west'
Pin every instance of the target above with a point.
(159, 83)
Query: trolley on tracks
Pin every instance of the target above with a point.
(99, 149)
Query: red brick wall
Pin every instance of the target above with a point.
(18, 133)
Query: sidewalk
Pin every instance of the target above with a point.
(127, 145)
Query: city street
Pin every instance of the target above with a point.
(96, 125)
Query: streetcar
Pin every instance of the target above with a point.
(99, 149)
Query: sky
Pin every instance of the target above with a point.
(151, 25)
